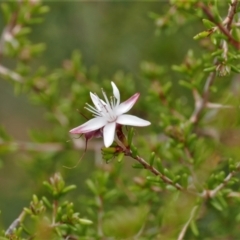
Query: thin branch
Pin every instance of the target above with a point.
(54, 212)
(218, 106)
(237, 24)
(228, 21)
(11, 74)
(15, 224)
(8, 36)
(234, 194)
(7, 33)
(231, 12)
(201, 103)
(153, 170)
(185, 227)
(212, 193)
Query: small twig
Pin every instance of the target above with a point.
(54, 214)
(217, 106)
(231, 12)
(185, 227)
(234, 194)
(11, 74)
(7, 32)
(15, 223)
(201, 103)
(137, 236)
(228, 21)
(225, 50)
(237, 24)
(212, 193)
(153, 170)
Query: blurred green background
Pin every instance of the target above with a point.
(112, 37)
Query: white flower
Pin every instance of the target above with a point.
(108, 115)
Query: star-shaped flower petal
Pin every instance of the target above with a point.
(107, 115)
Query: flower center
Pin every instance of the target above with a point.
(107, 112)
(103, 109)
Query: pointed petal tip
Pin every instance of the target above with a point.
(135, 97)
(143, 123)
(93, 96)
(73, 131)
(116, 93)
(89, 126)
(131, 120)
(127, 105)
(76, 130)
(107, 145)
(148, 123)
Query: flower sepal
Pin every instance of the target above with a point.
(121, 137)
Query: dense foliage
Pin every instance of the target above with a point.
(175, 179)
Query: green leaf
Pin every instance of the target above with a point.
(153, 179)
(167, 173)
(137, 165)
(120, 157)
(48, 186)
(217, 53)
(152, 158)
(236, 33)
(130, 136)
(181, 68)
(184, 180)
(194, 228)
(203, 34)
(23, 31)
(208, 24)
(69, 188)
(176, 178)
(159, 165)
(134, 151)
(46, 202)
(210, 69)
(108, 150)
(186, 84)
(43, 9)
(92, 186)
(235, 69)
(85, 221)
(216, 205)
